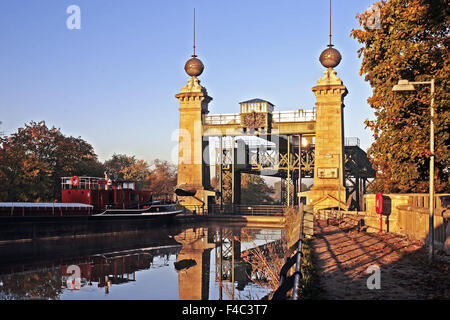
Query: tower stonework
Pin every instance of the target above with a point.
(193, 281)
(328, 190)
(193, 169)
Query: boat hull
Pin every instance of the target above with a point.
(129, 215)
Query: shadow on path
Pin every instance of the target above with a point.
(342, 256)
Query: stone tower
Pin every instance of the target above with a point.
(193, 153)
(329, 190)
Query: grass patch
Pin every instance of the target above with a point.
(310, 289)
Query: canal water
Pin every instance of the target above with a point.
(169, 263)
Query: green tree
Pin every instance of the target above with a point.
(33, 160)
(411, 43)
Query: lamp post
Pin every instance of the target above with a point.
(405, 85)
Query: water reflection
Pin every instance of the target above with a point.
(193, 263)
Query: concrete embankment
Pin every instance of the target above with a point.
(23, 229)
(256, 221)
(29, 228)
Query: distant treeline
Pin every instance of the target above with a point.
(33, 160)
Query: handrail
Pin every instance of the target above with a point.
(352, 142)
(293, 281)
(224, 118)
(297, 273)
(193, 208)
(293, 116)
(277, 117)
(252, 210)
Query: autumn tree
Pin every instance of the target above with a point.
(33, 160)
(162, 178)
(254, 190)
(411, 42)
(123, 167)
(42, 284)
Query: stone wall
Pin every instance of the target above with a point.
(408, 214)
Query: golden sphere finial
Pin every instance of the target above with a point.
(194, 67)
(330, 57)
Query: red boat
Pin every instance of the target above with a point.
(83, 196)
(103, 193)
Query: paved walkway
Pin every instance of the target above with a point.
(343, 254)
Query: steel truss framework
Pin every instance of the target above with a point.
(287, 159)
(358, 172)
(283, 158)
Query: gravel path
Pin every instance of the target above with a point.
(342, 256)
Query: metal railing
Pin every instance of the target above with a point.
(246, 210)
(332, 214)
(293, 116)
(225, 118)
(278, 116)
(352, 142)
(441, 202)
(293, 281)
(193, 209)
(252, 142)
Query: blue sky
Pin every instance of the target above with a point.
(113, 82)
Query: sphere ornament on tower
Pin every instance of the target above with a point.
(194, 67)
(330, 57)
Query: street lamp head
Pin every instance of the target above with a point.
(403, 85)
(304, 141)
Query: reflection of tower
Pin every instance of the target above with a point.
(328, 190)
(229, 266)
(193, 263)
(193, 171)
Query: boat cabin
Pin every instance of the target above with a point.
(102, 193)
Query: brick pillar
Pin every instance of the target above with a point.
(329, 144)
(193, 169)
